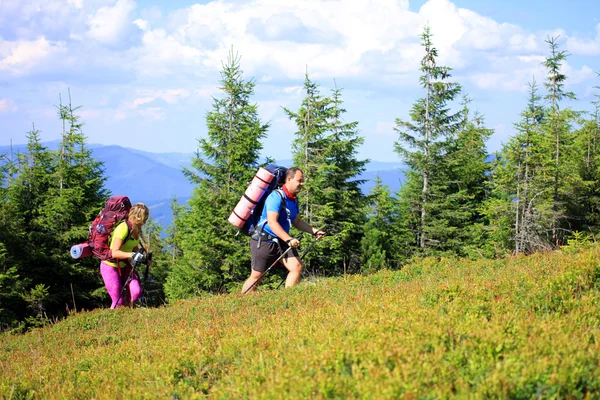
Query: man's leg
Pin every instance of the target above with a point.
(254, 275)
(294, 266)
(262, 257)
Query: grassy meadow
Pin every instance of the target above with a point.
(521, 327)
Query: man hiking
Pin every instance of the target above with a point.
(272, 238)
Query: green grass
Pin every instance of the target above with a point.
(522, 327)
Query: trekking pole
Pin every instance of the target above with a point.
(133, 265)
(271, 266)
(129, 277)
(303, 254)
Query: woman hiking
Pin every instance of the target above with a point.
(124, 242)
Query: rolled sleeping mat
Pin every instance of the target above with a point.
(241, 212)
(81, 250)
(253, 194)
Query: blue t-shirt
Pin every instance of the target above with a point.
(286, 218)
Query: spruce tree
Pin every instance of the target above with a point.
(424, 143)
(212, 257)
(325, 148)
(558, 129)
(585, 201)
(381, 234)
(26, 193)
(467, 178)
(517, 210)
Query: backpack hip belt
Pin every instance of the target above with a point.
(260, 235)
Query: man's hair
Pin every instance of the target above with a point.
(139, 211)
(291, 172)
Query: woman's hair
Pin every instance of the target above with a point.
(139, 212)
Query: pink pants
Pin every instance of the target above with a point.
(114, 284)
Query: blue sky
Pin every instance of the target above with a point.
(145, 71)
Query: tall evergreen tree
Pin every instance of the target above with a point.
(213, 259)
(325, 148)
(425, 141)
(467, 177)
(517, 210)
(379, 245)
(11, 286)
(585, 201)
(51, 198)
(75, 195)
(26, 193)
(309, 146)
(558, 128)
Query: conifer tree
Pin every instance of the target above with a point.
(51, 198)
(75, 196)
(325, 148)
(517, 209)
(381, 234)
(26, 193)
(558, 128)
(424, 142)
(11, 286)
(309, 145)
(585, 202)
(466, 184)
(212, 257)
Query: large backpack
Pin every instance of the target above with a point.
(116, 210)
(250, 223)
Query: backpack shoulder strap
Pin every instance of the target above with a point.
(283, 199)
(129, 228)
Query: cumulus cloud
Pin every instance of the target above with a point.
(23, 56)
(109, 24)
(170, 96)
(372, 40)
(585, 46)
(7, 106)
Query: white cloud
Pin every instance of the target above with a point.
(75, 3)
(141, 23)
(108, 24)
(582, 46)
(576, 76)
(7, 106)
(24, 56)
(170, 96)
(295, 90)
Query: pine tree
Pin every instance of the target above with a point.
(467, 178)
(558, 128)
(381, 234)
(517, 209)
(28, 185)
(50, 199)
(585, 201)
(424, 143)
(213, 259)
(325, 148)
(11, 286)
(309, 146)
(76, 194)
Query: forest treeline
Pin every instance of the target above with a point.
(541, 190)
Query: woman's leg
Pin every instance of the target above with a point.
(113, 284)
(135, 288)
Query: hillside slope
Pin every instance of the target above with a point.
(521, 327)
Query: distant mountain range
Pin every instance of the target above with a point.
(156, 178)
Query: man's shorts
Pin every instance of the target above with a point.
(265, 256)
